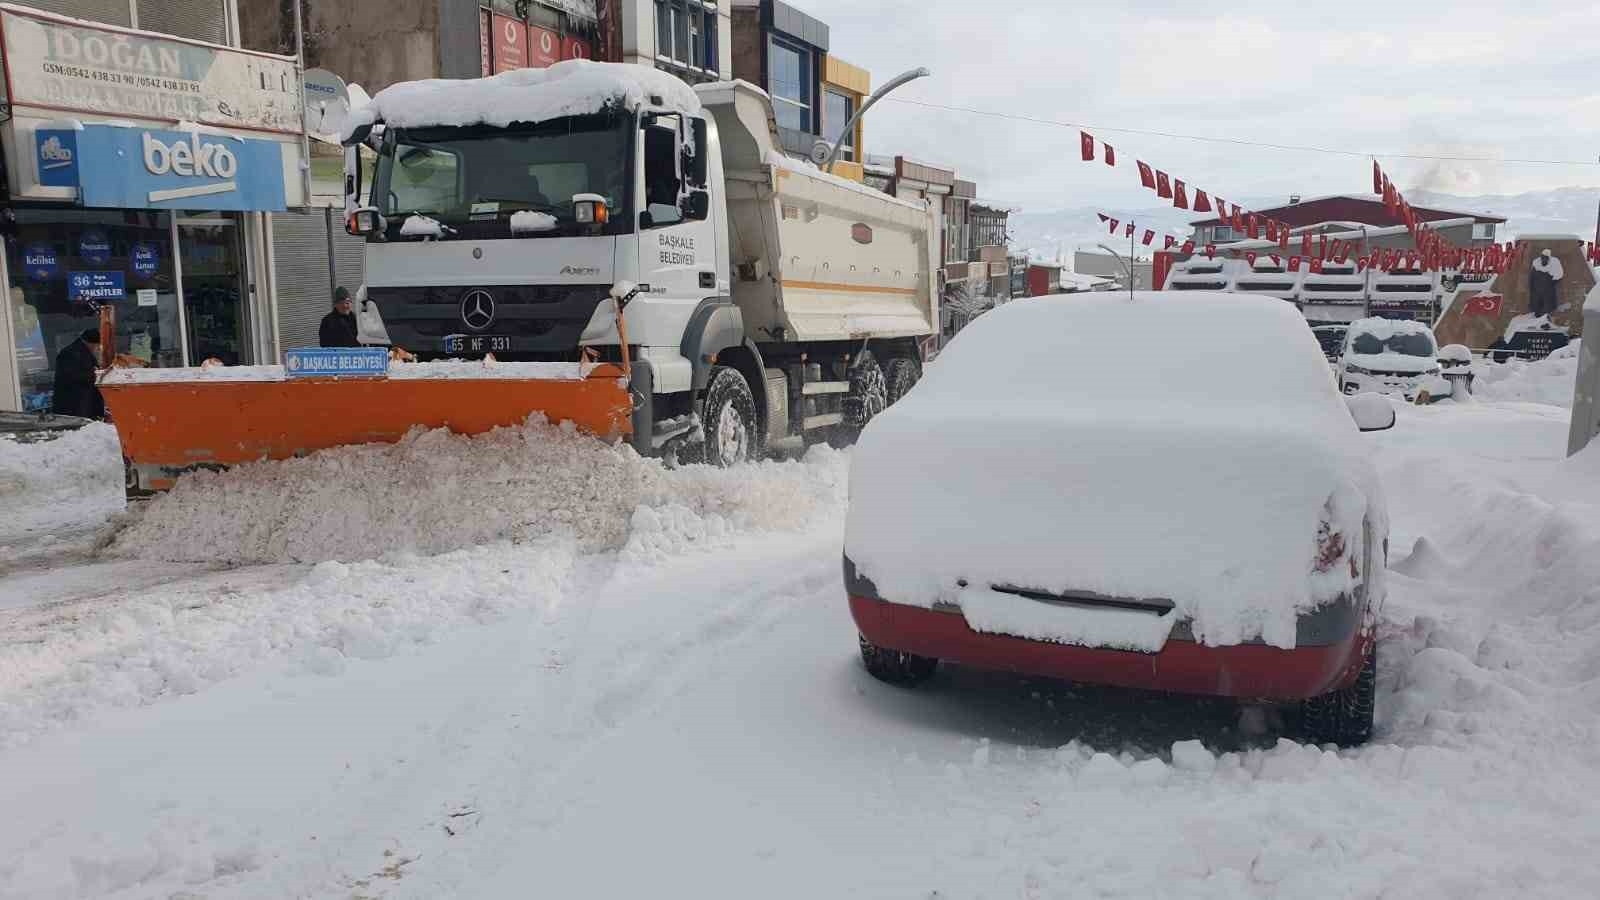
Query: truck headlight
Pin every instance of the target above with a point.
(590, 212)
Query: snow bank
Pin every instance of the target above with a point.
(1040, 453)
(1550, 380)
(73, 480)
(435, 491)
(572, 88)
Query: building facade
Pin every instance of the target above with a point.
(1339, 212)
(143, 153)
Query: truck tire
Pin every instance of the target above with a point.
(869, 395)
(896, 667)
(1343, 717)
(728, 418)
(903, 373)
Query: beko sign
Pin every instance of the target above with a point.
(132, 168)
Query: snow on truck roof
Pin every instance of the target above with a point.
(572, 88)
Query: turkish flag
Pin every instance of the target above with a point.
(1238, 218)
(1087, 140)
(1148, 237)
(1211, 251)
(1163, 186)
(1272, 229)
(1484, 305)
(1114, 224)
(1386, 261)
(1147, 175)
(1283, 237)
(1305, 244)
(1253, 228)
(1170, 241)
(1104, 217)
(1222, 210)
(1111, 156)
(1180, 198)
(1316, 265)
(1202, 203)
(1188, 247)
(1377, 178)
(1294, 263)
(1250, 258)
(1275, 259)
(1127, 230)
(1361, 263)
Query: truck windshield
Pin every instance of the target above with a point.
(474, 180)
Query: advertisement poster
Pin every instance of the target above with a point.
(572, 48)
(146, 259)
(96, 286)
(546, 47)
(510, 44)
(73, 66)
(94, 247)
(41, 261)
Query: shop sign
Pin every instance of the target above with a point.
(572, 48)
(312, 362)
(546, 46)
(72, 65)
(131, 168)
(41, 261)
(96, 286)
(483, 41)
(94, 246)
(510, 44)
(58, 156)
(146, 259)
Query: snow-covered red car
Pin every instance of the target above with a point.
(1194, 513)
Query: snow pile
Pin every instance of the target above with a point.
(435, 491)
(1039, 454)
(532, 221)
(73, 480)
(1528, 322)
(1550, 380)
(422, 226)
(572, 88)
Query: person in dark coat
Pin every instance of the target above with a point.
(1543, 277)
(339, 327)
(76, 393)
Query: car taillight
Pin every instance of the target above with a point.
(1330, 548)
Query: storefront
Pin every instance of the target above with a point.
(138, 168)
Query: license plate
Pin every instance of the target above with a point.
(477, 343)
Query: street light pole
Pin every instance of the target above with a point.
(877, 95)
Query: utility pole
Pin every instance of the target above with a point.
(305, 138)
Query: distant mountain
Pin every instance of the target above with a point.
(1045, 234)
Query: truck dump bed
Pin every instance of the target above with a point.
(814, 257)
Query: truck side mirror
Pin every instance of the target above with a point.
(702, 152)
(697, 206)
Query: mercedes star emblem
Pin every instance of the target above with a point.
(477, 310)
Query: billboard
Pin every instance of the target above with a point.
(70, 65)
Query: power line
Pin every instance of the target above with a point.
(1234, 141)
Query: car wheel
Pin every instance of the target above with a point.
(902, 374)
(728, 419)
(896, 667)
(1343, 717)
(869, 395)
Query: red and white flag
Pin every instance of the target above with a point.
(1294, 263)
(1484, 305)
(1188, 247)
(1087, 140)
(1111, 155)
(1211, 251)
(1202, 203)
(1163, 186)
(1148, 237)
(1147, 175)
(1180, 198)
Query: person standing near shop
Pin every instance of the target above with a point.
(76, 393)
(339, 326)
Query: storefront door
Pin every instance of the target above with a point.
(211, 258)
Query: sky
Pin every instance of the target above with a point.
(1468, 78)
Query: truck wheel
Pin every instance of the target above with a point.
(894, 666)
(729, 419)
(1343, 717)
(869, 395)
(902, 375)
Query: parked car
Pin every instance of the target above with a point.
(1387, 356)
(1331, 339)
(1050, 502)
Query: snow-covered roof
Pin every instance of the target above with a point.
(1553, 236)
(572, 88)
(1085, 282)
(1363, 198)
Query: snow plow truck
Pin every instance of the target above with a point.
(598, 243)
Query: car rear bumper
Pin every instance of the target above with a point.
(1254, 671)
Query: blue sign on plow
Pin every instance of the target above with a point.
(322, 362)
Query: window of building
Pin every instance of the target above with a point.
(1221, 233)
(789, 74)
(686, 33)
(837, 108)
(1483, 231)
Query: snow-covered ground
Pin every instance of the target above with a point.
(665, 700)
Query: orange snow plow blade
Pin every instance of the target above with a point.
(169, 427)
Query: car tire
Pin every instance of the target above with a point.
(869, 395)
(896, 667)
(902, 375)
(1343, 717)
(728, 418)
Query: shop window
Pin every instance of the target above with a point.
(686, 33)
(837, 108)
(789, 77)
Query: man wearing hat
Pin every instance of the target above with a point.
(339, 327)
(76, 393)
